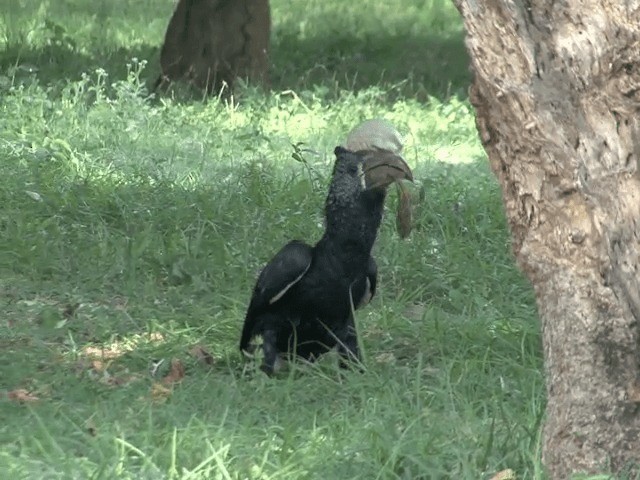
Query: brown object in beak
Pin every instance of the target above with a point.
(404, 216)
(381, 168)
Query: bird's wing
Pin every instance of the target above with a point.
(283, 271)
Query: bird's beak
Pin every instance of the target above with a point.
(381, 168)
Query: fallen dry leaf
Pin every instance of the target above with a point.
(404, 215)
(507, 474)
(99, 366)
(159, 393)
(102, 353)
(120, 380)
(119, 348)
(156, 337)
(200, 354)
(386, 357)
(176, 374)
(21, 395)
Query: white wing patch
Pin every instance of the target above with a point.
(279, 295)
(363, 182)
(366, 298)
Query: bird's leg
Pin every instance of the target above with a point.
(348, 344)
(269, 338)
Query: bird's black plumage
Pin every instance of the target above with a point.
(304, 297)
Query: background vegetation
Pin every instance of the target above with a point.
(132, 227)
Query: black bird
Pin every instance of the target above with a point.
(304, 298)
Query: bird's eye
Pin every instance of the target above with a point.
(353, 169)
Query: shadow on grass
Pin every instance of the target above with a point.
(409, 65)
(61, 63)
(416, 66)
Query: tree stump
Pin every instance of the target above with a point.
(210, 43)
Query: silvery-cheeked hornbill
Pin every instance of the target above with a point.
(304, 298)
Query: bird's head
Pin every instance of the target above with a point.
(370, 160)
(368, 163)
(358, 186)
(354, 205)
(367, 170)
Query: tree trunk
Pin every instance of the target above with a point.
(212, 42)
(557, 96)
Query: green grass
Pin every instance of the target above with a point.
(138, 224)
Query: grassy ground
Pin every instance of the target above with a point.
(132, 228)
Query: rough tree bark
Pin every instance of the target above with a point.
(557, 96)
(211, 42)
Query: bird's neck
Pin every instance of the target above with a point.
(352, 231)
